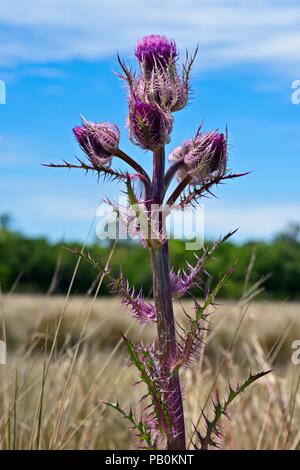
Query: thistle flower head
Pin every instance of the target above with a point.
(98, 141)
(202, 157)
(155, 51)
(160, 83)
(149, 125)
(165, 88)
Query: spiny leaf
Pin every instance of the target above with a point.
(191, 339)
(102, 170)
(184, 281)
(85, 254)
(144, 311)
(221, 409)
(187, 67)
(210, 298)
(161, 412)
(192, 195)
(131, 194)
(141, 427)
(147, 226)
(129, 75)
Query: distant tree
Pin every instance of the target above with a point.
(291, 234)
(5, 221)
(36, 259)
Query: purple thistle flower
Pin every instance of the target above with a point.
(149, 125)
(98, 141)
(160, 82)
(155, 51)
(202, 157)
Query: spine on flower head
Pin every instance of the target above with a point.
(202, 158)
(149, 125)
(98, 140)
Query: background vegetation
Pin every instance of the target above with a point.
(65, 357)
(34, 264)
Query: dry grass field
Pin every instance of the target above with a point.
(65, 358)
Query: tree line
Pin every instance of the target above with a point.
(35, 265)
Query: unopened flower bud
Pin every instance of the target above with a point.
(202, 157)
(149, 125)
(98, 141)
(160, 83)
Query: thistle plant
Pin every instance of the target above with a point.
(160, 88)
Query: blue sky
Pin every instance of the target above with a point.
(57, 58)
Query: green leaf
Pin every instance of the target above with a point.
(221, 409)
(140, 426)
(192, 336)
(155, 394)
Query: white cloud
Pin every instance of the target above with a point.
(228, 31)
(256, 221)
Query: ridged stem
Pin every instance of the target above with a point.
(165, 319)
